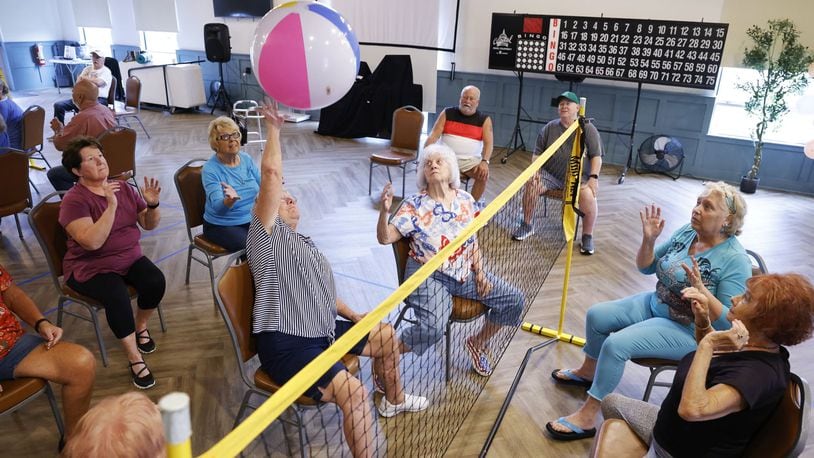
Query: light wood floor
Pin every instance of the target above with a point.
(329, 176)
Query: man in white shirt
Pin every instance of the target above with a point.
(96, 73)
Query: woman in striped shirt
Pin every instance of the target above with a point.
(295, 309)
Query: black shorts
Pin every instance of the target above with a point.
(283, 355)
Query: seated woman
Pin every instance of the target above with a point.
(104, 256)
(296, 306)
(43, 354)
(727, 389)
(431, 219)
(659, 324)
(231, 182)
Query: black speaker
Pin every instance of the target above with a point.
(216, 42)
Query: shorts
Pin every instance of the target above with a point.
(18, 352)
(467, 163)
(283, 355)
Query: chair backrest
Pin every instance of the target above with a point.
(133, 93)
(119, 147)
(407, 124)
(111, 92)
(785, 432)
(401, 250)
(44, 221)
(16, 194)
(191, 191)
(235, 296)
(758, 264)
(33, 125)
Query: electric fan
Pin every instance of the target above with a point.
(661, 154)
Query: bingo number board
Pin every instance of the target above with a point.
(673, 53)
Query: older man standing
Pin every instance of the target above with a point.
(92, 120)
(97, 74)
(469, 133)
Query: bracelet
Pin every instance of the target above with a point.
(153, 207)
(593, 175)
(38, 323)
(709, 325)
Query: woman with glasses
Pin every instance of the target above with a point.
(702, 258)
(231, 181)
(432, 219)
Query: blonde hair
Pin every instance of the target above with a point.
(733, 202)
(119, 426)
(446, 153)
(218, 124)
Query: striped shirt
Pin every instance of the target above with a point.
(293, 282)
(464, 134)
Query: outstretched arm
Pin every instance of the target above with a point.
(271, 169)
(437, 129)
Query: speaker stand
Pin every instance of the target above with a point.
(221, 96)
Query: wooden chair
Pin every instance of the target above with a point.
(119, 146)
(404, 143)
(463, 310)
(783, 435)
(132, 104)
(16, 195)
(20, 391)
(235, 298)
(193, 200)
(659, 365)
(44, 220)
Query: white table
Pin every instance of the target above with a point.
(69, 65)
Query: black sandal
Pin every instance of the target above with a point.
(147, 347)
(142, 382)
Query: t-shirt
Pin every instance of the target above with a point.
(13, 115)
(724, 271)
(760, 377)
(103, 73)
(245, 178)
(92, 121)
(430, 227)
(10, 329)
(464, 134)
(294, 285)
(120, 250)
(558, 163)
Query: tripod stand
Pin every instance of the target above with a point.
(221, 96)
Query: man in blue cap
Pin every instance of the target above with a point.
(552, 174)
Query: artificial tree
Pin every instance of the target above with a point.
(781, 62)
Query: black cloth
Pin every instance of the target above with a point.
(367, 109)
(113, 65)
(760, 377)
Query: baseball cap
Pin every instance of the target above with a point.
(568, 95)
(98, 52)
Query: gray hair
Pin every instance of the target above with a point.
(446, 153)
(475, 88)
(733, 202)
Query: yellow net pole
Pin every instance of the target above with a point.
(174, 409)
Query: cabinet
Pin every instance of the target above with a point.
(184, 83)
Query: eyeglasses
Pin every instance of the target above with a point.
(226, 137)
(289, 200)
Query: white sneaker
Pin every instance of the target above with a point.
(411, 404)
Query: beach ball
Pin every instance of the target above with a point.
(305, 55)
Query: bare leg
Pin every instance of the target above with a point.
(357, 421)
(588, 205)
(584, 417)
(133, 355)
(586, 370)
(478, 188)
(383, 347)
(531, 194)
(70, 365)
(486, 332)
(142, 317)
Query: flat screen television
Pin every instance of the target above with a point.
(241, 8)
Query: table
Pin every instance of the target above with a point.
(69, 65)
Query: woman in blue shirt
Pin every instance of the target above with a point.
(231, 181)
(704, 255)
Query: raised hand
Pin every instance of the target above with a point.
(230, 196)
(271, 115)
(652, 222)
(151, 191)
(732, 339)
(387, 197)
(111, 188)
(700, 305)
(694, 274)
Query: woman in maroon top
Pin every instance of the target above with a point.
(104, 256)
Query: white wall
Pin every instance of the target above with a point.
(193, 14)
(32, 20)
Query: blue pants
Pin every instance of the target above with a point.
(432, 304)
(232, 238)
(61, 179)
(617, 331)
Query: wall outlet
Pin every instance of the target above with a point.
(247, 71)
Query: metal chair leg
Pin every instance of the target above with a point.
(403, 180)
(370, 179)
(161, 320)
(95, 318)
(142, 126)
(447, 356)
(189, 262)
(52, 400)
(19, 230)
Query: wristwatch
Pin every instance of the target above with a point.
(485, 160)
(593, 175)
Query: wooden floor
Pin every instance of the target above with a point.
(329, 176)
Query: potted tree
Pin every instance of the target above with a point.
(781, 62)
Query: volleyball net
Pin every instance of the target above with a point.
(454, 335)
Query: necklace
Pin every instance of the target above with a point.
(773, 347)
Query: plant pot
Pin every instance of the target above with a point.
(749, 185)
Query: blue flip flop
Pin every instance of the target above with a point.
(570, 378)
(575, 434)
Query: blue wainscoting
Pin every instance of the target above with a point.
(24, 74)
(681, 115)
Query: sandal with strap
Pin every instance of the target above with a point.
(142, 382)
(146, 347)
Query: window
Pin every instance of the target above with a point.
(729, 119)
(96, 38)
(162, 45)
